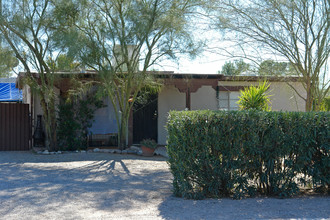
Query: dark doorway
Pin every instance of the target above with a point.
(145, 119)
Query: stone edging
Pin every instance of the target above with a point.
(131, 150)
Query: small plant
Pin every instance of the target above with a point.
(149, 143)
(325, 104)
(255, 98)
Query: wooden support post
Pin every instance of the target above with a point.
(130, 129)
(188, 99)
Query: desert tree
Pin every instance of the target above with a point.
(26, 26)
(295, 31)
(123, 39)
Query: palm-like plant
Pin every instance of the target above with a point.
(255, 97)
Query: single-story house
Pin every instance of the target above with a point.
(181, 92)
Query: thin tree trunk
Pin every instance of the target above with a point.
(50, 123)
(122, 133)
(309, 97)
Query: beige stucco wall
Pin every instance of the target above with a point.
(171, 99)
(34, 103)
(26, 95)
(168, 99)
(37, 109)
(104, 121)
(35, 106)
(204, 98)
(283, 97)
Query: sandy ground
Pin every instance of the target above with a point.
(110, 186)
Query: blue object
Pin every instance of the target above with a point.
(9, 93)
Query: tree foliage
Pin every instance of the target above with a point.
(119, 39)
(297, 31)
(63, 63)
(122, 40)
(273, 68)
(8, 62)
(235, 68)
(27, 28)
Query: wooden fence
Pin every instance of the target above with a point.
(15, 127)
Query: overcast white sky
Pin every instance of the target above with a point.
(206, 63)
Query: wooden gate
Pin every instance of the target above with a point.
(15, 127)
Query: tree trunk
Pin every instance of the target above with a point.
(53, 136)
(122, 134)
(50, 123)
(309, 97)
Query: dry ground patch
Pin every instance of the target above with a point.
(112, 186)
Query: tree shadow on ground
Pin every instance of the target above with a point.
(77, 186)
(98, 182)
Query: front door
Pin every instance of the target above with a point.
(145, 119)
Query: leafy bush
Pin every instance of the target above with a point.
(255, 98)
(325, 104)
(74, 119)
(240, 153)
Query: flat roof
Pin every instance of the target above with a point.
(173, 75)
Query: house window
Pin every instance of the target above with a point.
(228, 100)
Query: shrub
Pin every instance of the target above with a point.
(74, 120)
(255, 98)
(240, 153)
(149, 143)
(325, 104)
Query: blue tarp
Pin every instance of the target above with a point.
(9, 93)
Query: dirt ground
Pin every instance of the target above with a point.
(113, 186)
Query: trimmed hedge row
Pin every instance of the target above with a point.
(240, 153)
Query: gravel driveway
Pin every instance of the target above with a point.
(112, 186)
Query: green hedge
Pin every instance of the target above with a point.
(240, 153)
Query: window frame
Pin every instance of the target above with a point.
(229, 99)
